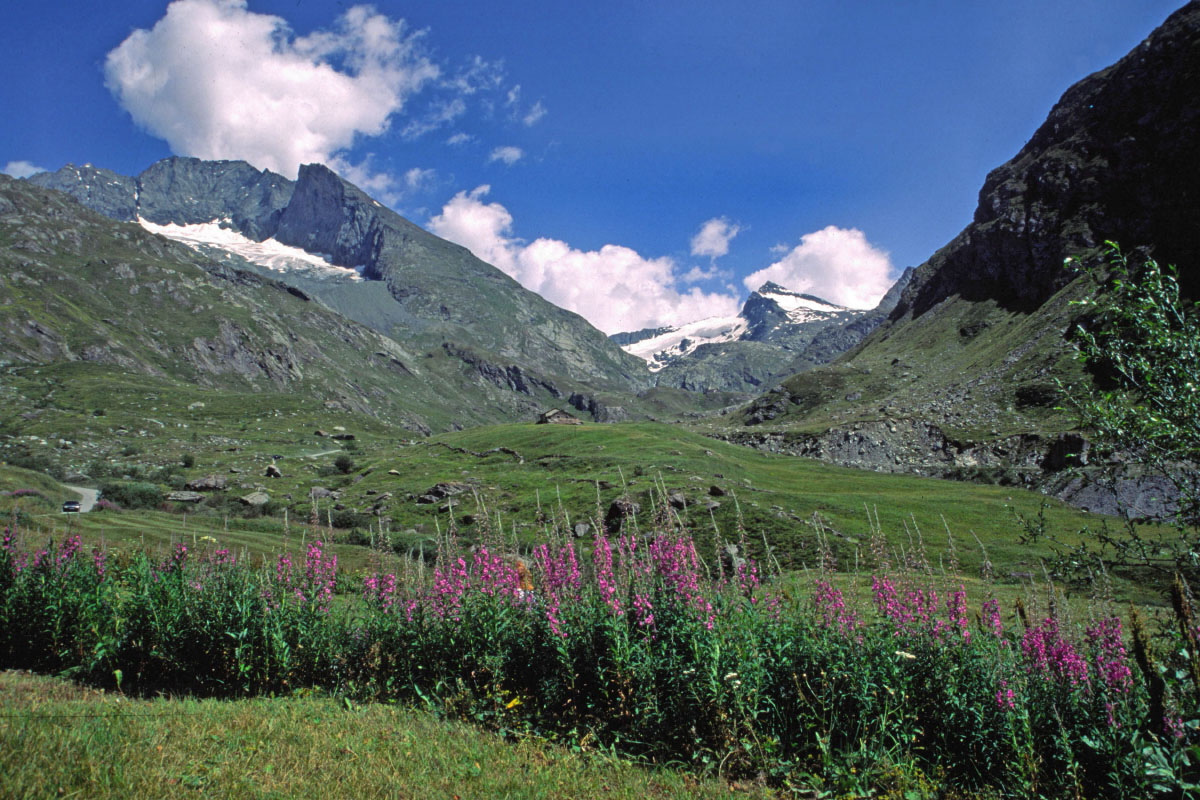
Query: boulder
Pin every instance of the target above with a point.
(620, 508)
(257, 499)
(677, 500)
(716, 491)
(582, 529)
(185, 497)
(446, 489)
(343, 437)
(273, 471)
(209, 483)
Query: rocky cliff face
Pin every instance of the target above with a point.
(978, 342)
(1117, 159)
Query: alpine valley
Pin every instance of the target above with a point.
(216, 276)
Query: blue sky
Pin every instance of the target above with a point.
(641, 163)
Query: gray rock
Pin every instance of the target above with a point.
(273, 471)
(185, 497)
(209, 483)
(257, 499)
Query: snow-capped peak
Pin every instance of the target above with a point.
(791, 301)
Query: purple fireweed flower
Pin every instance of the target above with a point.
(1172, 725)
(643, 610)
(956, 608)
(99, 561)
(991, 617)
(67, 550)
(1005, 698)
(283, 570)
(602, 563)
(1047, 653)
(747, 577)
(1107, 642)
(832, 607)
(380, 590)
(320, 575)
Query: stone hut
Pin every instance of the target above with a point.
(556, 416)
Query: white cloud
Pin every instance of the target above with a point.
(696, 274)
(21, 169)
(614, 288)
(218, 81)
(478, 76)
(836, 264)
(714, 237)
(441, 114)
(460, 138)
(508, 154)
(416, 178)
(534, 115)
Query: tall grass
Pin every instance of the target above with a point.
(644, 648)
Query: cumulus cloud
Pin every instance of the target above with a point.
(216, 80)
(614, 288)
(714, 237)
(459, 138)
(21, 169)
(836, 264)
(508, 154)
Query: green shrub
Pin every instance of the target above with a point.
(132, 494)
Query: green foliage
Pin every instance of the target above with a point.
(344, 464)
(1143, 332)
(1141, 337)
(132, 494)
(188, 461)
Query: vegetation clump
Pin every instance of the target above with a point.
(645, 649)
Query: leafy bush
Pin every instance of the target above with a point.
(1145, 338)
(132, 494)
(344, 464)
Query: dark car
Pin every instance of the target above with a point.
(70, 506)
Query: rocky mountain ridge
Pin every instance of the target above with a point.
(778, 332)
(436, 291)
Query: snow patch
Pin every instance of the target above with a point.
(268, 253)
(658, 351)
(800, 307)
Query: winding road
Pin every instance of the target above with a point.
(87, 497)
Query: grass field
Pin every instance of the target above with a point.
(508, 472)
(61, 740)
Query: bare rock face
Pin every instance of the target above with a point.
(1118, 159)
(272, 471)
